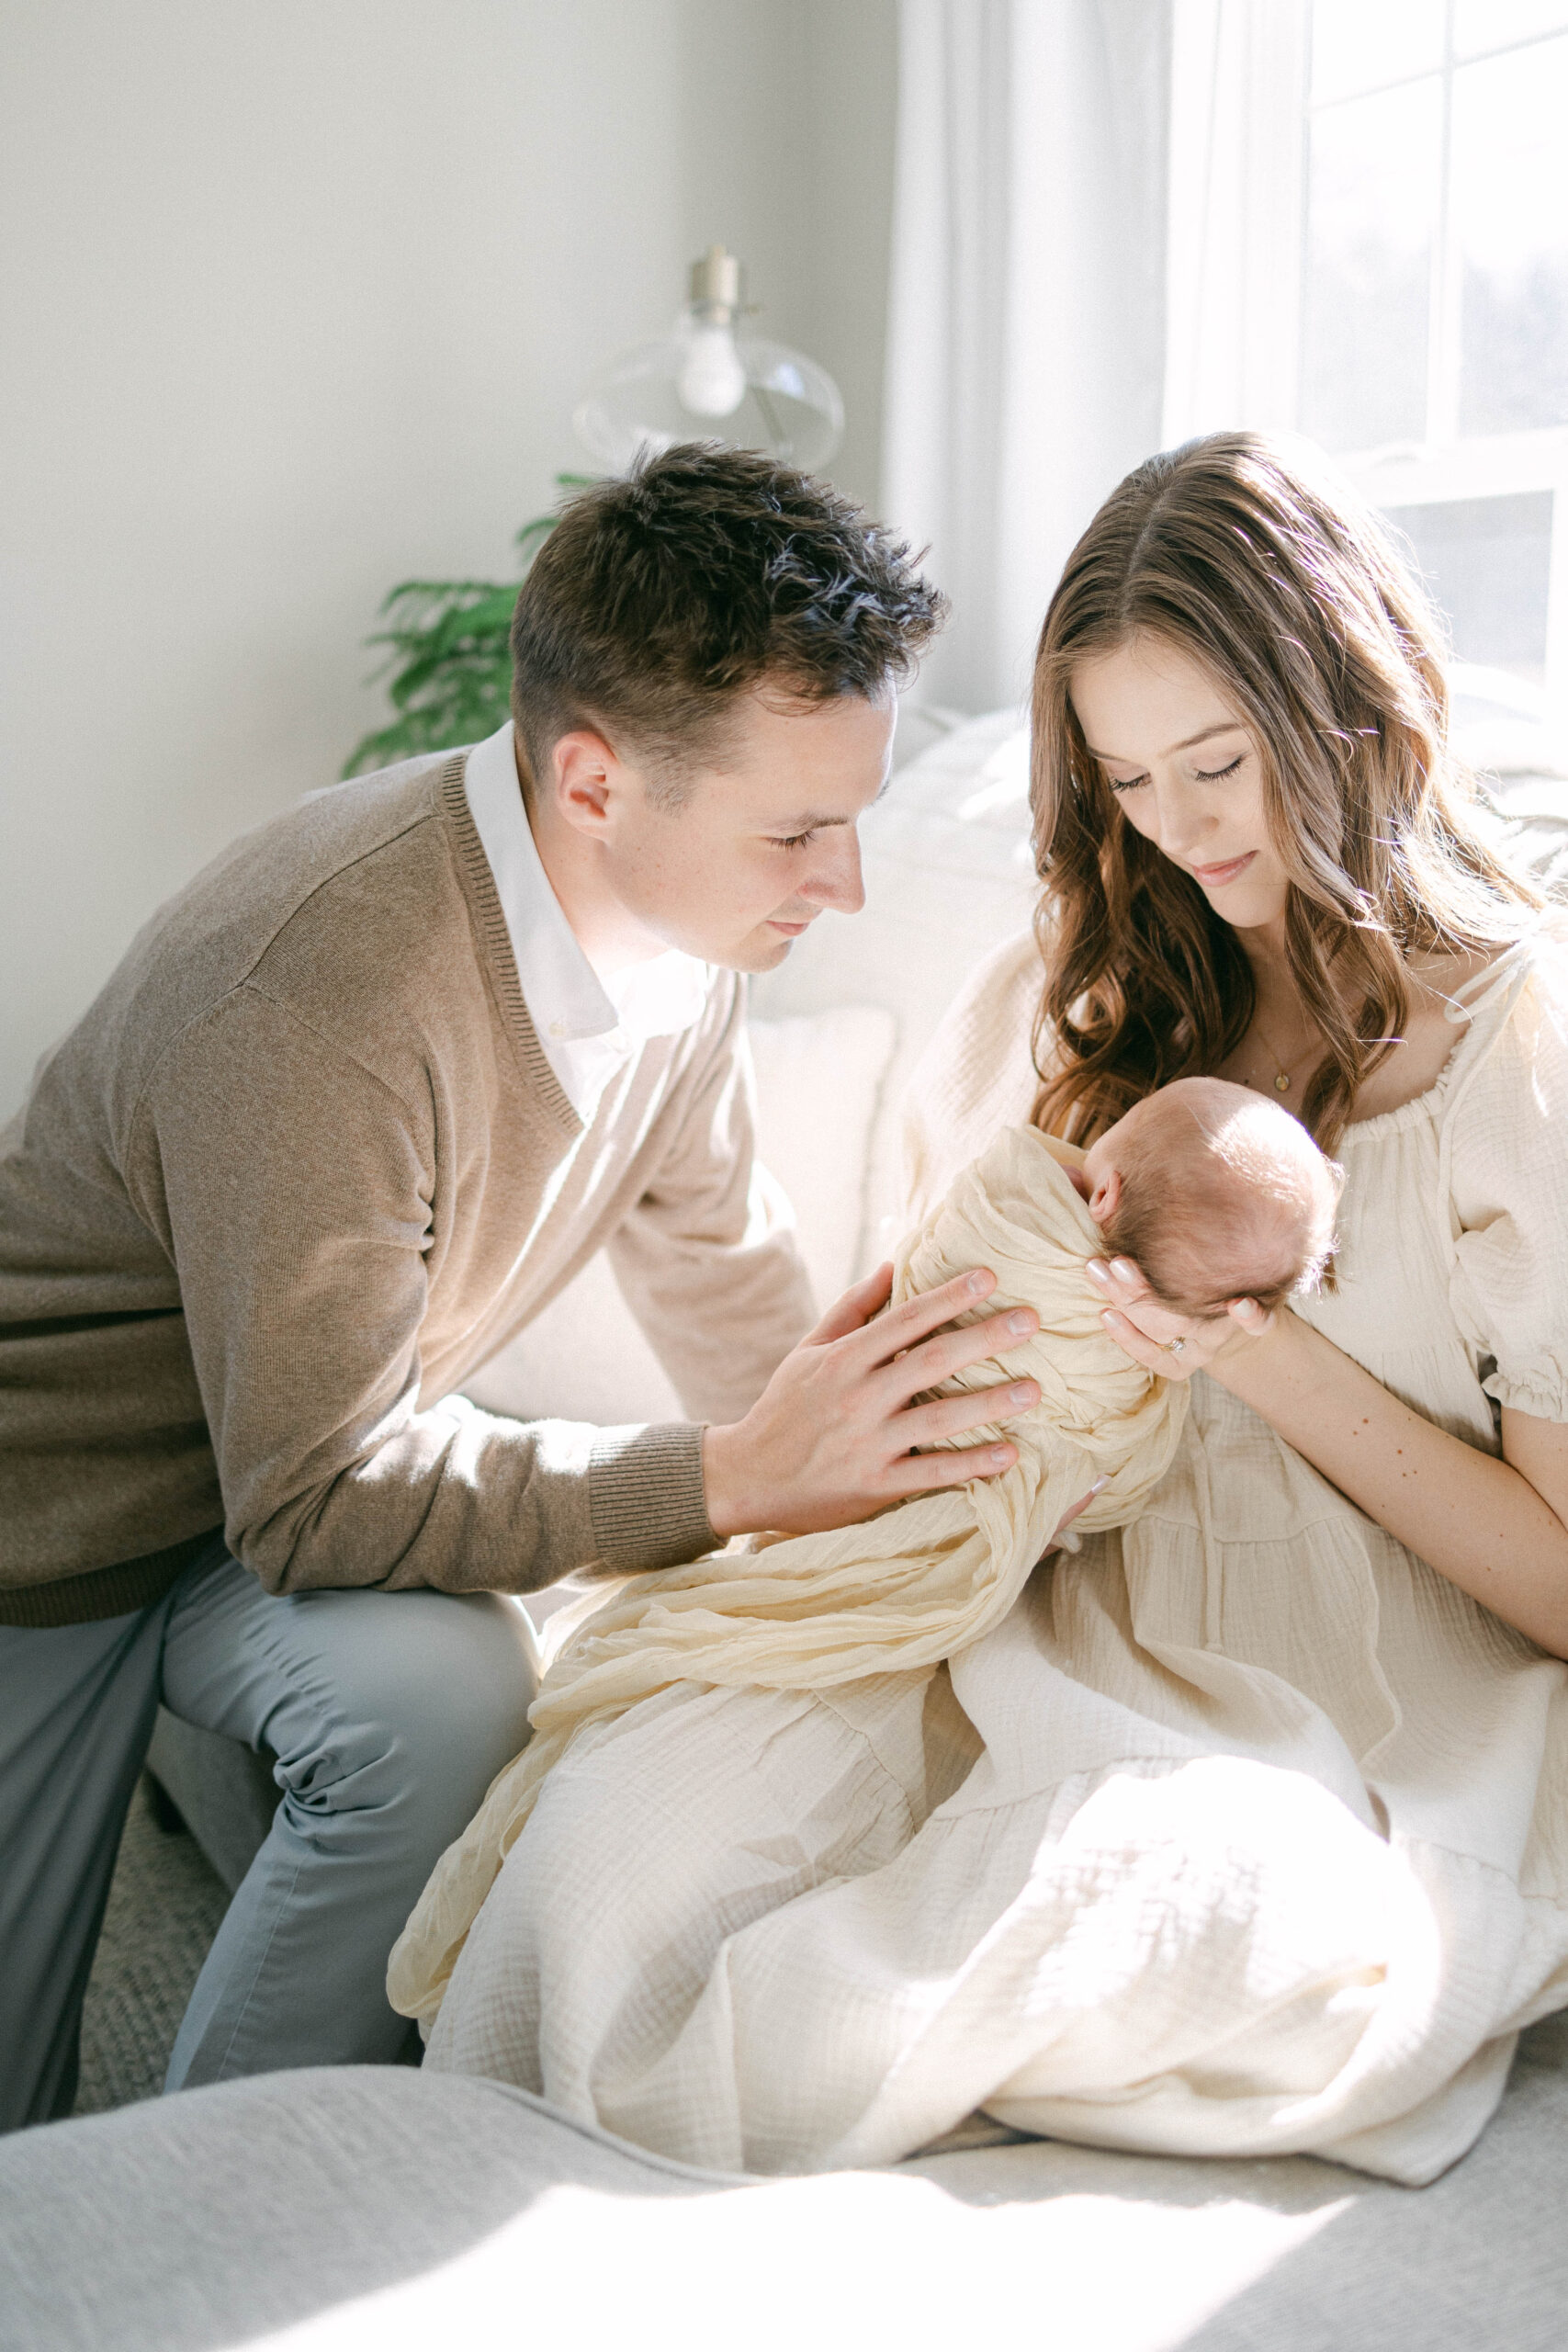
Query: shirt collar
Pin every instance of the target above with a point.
(565, 996)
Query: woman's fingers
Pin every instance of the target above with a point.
(1146, 1329)
(1082, 1504)
(1254, 1320)
(1119, 1281)
(1153, 1354)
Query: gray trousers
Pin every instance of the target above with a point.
(390, 1714)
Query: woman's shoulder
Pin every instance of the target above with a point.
(1507, 1088)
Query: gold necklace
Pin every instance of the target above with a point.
(1282, 1069)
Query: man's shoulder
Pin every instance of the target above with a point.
(358, 841)
(346, 911)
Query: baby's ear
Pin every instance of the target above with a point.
(1106, 1197)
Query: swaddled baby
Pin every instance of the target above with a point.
(1213, 1192)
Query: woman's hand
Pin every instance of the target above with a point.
(832, 1438)
(1175, 1346)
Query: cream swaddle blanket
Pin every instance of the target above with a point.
(1238, 1833)
(895, 1595)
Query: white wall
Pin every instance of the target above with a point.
(296, 302)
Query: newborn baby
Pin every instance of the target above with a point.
(1213, 1192)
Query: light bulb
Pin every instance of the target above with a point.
(762, 395)
(712, 381)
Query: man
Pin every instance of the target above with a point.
(353, 1108)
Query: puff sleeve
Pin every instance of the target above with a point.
(1507, 1151)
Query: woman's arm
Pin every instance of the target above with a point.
(1497, 1529)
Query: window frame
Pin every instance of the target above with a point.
(1241, 114)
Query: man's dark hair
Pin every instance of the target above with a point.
(661, 596)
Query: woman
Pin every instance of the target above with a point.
(1261, 862)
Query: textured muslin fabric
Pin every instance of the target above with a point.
(896, 1595)
(1242, 1833)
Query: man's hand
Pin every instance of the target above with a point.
(829, 1439)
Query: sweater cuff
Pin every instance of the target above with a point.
(645, 1492)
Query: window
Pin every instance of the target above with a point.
(1410, 161)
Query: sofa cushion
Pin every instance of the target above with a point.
(372, 2209)
(819, 1080)
(948, 873)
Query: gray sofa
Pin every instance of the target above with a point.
(364, 2207)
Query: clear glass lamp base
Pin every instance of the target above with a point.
(788, 407)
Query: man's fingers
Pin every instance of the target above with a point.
(922, 1473)
(936, 1360)
(855, 1309)
(917, 1316)
(948, 1416)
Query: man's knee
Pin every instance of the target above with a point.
(419, 1698)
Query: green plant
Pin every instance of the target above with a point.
(448, 671)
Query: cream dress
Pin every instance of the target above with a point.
(1243, 1833)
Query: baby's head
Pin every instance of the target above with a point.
(1215, 1193)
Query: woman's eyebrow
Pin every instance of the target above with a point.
(1224, 727)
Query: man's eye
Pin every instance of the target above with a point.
(1217, 775)
(793, 840)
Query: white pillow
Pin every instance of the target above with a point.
(949, 875)
(818, 1080)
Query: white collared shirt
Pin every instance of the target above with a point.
(589, 1028)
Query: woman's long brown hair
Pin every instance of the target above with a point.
(1296, 604)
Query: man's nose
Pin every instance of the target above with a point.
(834, 879)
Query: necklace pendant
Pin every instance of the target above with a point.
(1282, 1084)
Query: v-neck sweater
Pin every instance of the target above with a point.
(300, 1168)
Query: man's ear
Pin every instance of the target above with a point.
(1106, 1197)
(586, 781)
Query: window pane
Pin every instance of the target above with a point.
(1510, 201)
(1357, 47)
(1486, 563)
(1492, 24)
(1372, 205)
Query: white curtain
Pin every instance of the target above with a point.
(1026, 328)
(1234, 247)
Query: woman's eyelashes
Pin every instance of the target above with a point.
(1199, 776)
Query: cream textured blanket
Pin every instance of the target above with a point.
(816, 1613)
(1240, 1832)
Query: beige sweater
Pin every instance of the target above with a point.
(300, 1170)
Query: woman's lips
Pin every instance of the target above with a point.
(1213, 876)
